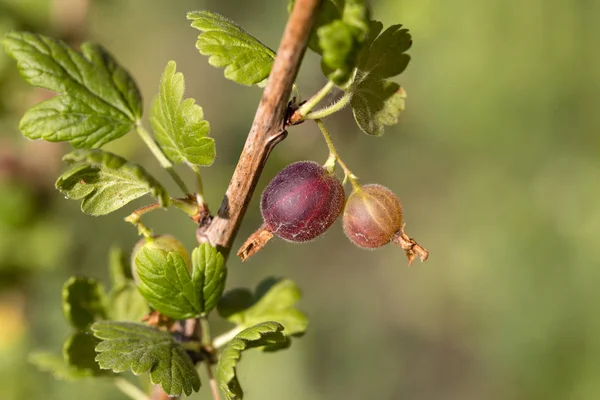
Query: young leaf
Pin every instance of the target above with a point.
(375, 101)
(265, 334)
(106, 182)
(125, 303)
(141, 349)
(168, 286)
(247, 61)
(179, 125)
(386, 57)
(83, 301)
(79, 353)
(274, 300)
(97, 100)
(208, 269)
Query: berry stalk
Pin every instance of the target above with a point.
(334, 157)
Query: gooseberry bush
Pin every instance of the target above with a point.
(153, 321)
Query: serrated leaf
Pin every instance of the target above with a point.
(168, 286)
(179, 125)
(83, 301)
(56, 365)
(106, 182)
(119, 267)
(97, 100)
(79, 353)
(377, 103)
(208, 269)
(141, 349)
(246, 60)
(274, 300)
(126, 303)
(386, 56)
(266, 334)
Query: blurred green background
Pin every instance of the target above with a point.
(496, 161)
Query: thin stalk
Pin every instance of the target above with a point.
(333, 154)
(160, 156)
(330, 109)
(214, 388)
(226, 337)
(130, 390)
(316, 99)
(199, 184)
(187, 205)
(135, 219)
(205, 329)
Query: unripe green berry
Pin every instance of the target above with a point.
(166, 243)
(372, 216)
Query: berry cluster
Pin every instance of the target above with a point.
(304, 200)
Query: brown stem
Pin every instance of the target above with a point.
(214, 388)
(267, 129)
(255, 243)
(410, 246)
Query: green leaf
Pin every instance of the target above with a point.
(141, 349)
(168, 286)
(179, 125)
(79, 353)
(208, 269)
(126, 303)
(97, 100)
(338, 47)
(265, 334)
(377, 103)
(385, 57)
(83, 301)
(106, 182)
(274, 300)
(119, 267)
(246, 60)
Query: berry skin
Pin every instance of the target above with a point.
(302, 202)
(372, 216)
(166, 243)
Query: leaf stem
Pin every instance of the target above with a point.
(135, 219)
(205, 329)
(333, 155)
(332, 108)
(316, 99)
(226, 337)
(160, 156)
(214, 388)
(187, 205)
(130, 390)
(199, 184)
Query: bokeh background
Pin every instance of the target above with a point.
(496, 161)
